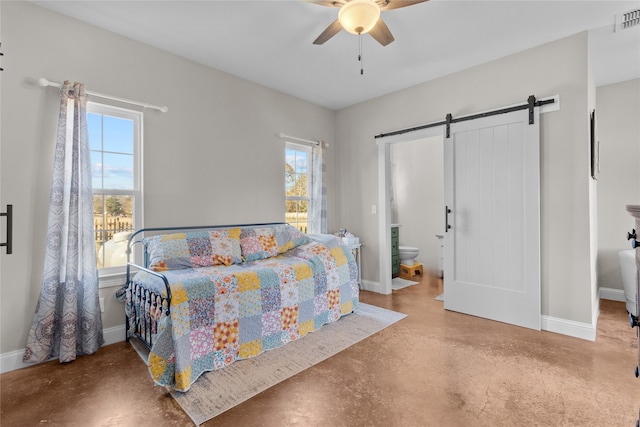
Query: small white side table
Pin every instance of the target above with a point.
(355, 251)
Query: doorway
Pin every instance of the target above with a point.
(417, 196)
(384, 197)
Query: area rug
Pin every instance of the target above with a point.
(398, 283)
(217, 391)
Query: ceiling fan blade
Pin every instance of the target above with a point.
(397, 4)
(381, 33)
(329, 32)
(329, 3)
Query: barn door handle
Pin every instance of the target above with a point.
(9, 243)
(447, 211)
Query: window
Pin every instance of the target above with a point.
(115, 140)
(297, 184)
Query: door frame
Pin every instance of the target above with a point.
(384, 181)
(384, 204)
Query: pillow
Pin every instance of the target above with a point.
(258, 243)
(289, 237)
(194, 249)
(226, 246)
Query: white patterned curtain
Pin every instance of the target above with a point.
(67, 321)
(318, 209)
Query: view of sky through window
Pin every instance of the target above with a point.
(111, 142)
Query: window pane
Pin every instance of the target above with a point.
(113, 224)
(301, 186)
(114, 138)
(297, 182)
(118, 135)
(290, 158)
(94, 129)
(297, 160)
(302, 216)
(289, 186)
(117, 171)
(96, 169)
(301, 162)
(302, 208)
(296, 214)
(291, 176)
(98, 221)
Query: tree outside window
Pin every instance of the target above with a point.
(297, 185)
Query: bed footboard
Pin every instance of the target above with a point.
(146, 308)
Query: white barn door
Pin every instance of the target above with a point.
(492, 189)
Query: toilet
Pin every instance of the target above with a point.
(629, 278)
(408, 255)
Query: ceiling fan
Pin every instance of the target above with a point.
(361, 17)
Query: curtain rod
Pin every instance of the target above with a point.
(305, 141)
(44, 83)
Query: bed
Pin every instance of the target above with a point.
(205, 297)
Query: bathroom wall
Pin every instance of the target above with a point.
(417, 176)
(618, 123)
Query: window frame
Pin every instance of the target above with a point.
(289, 145)
(111, 276)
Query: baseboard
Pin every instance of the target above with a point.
(371, 286)
(571, 328)
(114, 334)
(612, 294)
(13, 360)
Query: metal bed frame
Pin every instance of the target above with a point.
(145, 324)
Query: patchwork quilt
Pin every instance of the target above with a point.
(223, 313)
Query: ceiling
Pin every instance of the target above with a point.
(270, 42)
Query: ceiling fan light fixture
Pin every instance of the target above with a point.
(359, 16)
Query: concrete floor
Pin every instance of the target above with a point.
(433, 368)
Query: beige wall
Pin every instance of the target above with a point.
(558, 68)
(212, 159)
(618, 122)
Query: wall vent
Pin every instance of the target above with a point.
(627, 20)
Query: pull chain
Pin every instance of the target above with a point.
(360, 53)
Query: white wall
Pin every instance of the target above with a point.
(555, 68)
(212, 159)
(418, 180)
(618, 122)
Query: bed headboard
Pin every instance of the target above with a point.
(138, 236)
